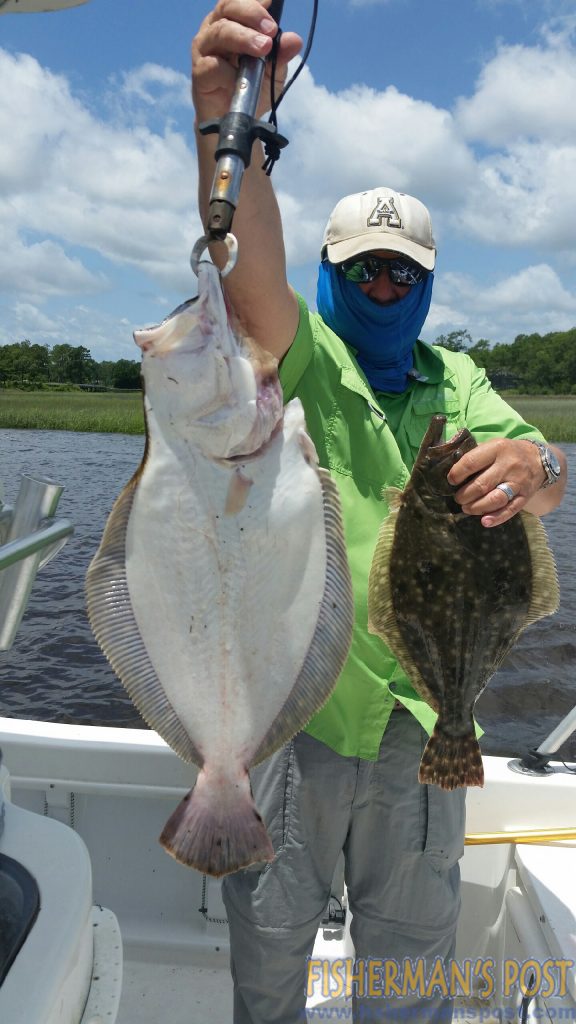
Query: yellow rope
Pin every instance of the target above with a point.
(541, 835)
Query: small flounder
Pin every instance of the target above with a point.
(221, 592)
(450, 598)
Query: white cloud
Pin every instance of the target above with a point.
(532, 288)
(32, 318)
(526, 196)
(129, 194)
(36, 111)
(155, 84)
(523, 115)
(533, 299)
(82, 193)
(42, 269)
(441, 315)
(561, 28)
(105, 335)
(351, 140)
(522, 93)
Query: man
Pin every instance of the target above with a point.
(349, 781)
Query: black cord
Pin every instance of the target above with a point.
(303, 60)
(274, 62)
(273, 151)
(271, 147)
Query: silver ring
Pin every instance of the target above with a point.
(507, 490)
(231, 244)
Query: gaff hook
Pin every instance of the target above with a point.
(231, 243)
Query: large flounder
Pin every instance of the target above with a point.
(450, 597)
(221, 591)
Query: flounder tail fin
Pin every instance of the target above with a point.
(213, 837)
(451, 761)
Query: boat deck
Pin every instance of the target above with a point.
(102, 796)
(152, 992)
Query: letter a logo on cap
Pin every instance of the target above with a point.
(384, 210)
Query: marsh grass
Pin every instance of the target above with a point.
(106, 413)
(554, 415)
(121, 412)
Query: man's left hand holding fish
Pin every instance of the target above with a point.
(518, 465)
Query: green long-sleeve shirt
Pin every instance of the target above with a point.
(369, 441)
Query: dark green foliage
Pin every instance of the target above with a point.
(534, 364)
(24, 365)
(456, 341)
(24, 362)
(126, 375)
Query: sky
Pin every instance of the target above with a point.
(468, 104)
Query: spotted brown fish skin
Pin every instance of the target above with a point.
(450, 598)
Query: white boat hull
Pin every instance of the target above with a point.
(115, 789)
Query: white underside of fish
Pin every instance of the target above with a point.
(221, 596)
(228, 602)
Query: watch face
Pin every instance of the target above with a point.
(553, 462)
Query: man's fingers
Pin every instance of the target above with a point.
(223, 38)
(243, 27)
(504, 514)
(473, 462)
(495, 507)
(482, 478)
(235, 28)
(252, 13)
(228, 38)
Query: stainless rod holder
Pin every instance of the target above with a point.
(29, 542)
(561, 733)
(535, 762)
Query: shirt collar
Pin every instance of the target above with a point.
(429, 363)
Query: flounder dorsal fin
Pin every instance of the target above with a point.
(393, 497)
(545, 589)
(114, 625)
(381, 615)
(331, 641)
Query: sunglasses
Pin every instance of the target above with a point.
(400, 269)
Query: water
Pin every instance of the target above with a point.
(55, 671)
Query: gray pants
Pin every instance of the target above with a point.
(401, 842)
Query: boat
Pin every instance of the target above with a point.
(83, 808)
(98, 925)
(36, 6)
(111, 929)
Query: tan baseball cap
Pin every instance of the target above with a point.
(380, 219)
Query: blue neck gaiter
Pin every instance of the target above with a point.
(383, 336)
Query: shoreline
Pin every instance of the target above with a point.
(97, 412)
(122, 412)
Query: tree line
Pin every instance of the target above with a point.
(23, 363)
(533, 363)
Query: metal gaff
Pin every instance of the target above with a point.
(237, 132)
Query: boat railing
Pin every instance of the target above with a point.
(29, 538)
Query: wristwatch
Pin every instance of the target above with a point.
(550, 463)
